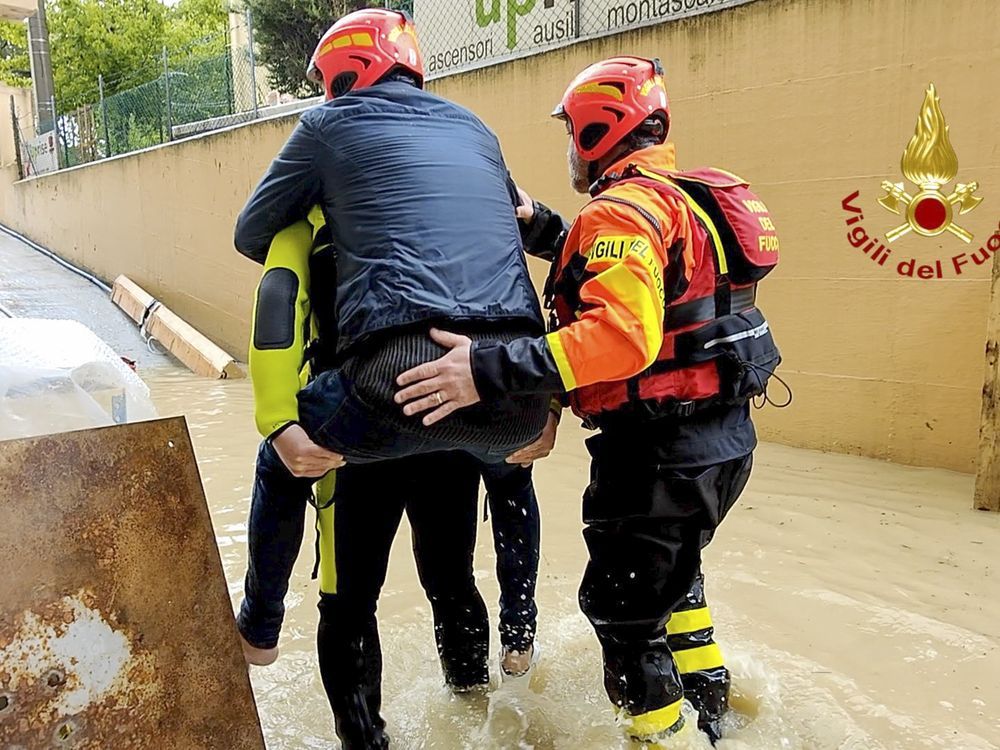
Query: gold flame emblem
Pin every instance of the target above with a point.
(929, 162)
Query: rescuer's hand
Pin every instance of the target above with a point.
(442, 386)
(302, 457)
(526, 211)
(539, 449)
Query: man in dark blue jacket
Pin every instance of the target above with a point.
(418, 201)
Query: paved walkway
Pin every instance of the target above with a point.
(35, 286)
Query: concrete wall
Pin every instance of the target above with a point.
(811, 99)
(22, 104)
(16, 10)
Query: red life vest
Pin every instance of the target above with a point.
(717, 346)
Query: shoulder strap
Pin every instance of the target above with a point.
(710, 176)
(713, 232)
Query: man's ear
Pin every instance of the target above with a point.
(657, 128)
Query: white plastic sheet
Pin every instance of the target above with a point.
(57, 375)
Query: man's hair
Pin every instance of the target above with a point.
(652, 132)
(399, 73)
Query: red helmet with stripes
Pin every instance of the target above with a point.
(609, 100)
(362, 47)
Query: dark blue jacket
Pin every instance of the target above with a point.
(419, 203)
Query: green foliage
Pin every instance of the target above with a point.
(123, 41)
(202, 24)
(15, 67)
(286, 33)
(119, 39)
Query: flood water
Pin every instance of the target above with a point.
(858, 604)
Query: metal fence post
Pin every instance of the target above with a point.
(578, 18)
(104, 117)
(166, 85)
(253, 64)
(17, 139)
(60, 135)
(230, 93)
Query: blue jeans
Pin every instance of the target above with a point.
(276, 528)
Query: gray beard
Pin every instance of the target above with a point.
(579, 177)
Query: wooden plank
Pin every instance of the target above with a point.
(131, 298)
(987, 496)
(190, 346)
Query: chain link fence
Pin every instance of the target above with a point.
(217, 81)
(33, 154)
(213, 77)
(461, 35)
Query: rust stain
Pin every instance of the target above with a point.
(115, 622)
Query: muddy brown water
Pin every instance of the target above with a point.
(858, 604)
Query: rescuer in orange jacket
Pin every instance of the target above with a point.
(658, 342)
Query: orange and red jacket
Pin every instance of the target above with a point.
(634, 250)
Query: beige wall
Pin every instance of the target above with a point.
(811, 100)
(17, 10)
(22, 105)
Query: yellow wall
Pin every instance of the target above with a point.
(22, 105)
(810, 100)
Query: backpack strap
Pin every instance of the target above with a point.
(706, 308)
(721, 266)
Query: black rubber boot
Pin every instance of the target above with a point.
(708, 692)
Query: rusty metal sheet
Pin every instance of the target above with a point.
(116, 629)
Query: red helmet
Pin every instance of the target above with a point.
(609, 100)
(362, 47)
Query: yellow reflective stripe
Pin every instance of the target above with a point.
(363, 40)
(562, 361)
(653, 723)
(600, 88)
(633, 294)
(690, 621)
(699, 659)
(710, 225)
(325, 528)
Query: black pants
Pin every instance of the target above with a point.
(274, 537)
(277, 522)
(645, 528)
(516, 525)
(439, 494)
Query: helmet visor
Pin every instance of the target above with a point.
(314, 74)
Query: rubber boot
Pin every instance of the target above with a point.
(708, 692)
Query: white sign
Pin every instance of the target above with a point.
(462, 34)
(40, 154)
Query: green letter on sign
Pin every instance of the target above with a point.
(483, 18)
(516, 8)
